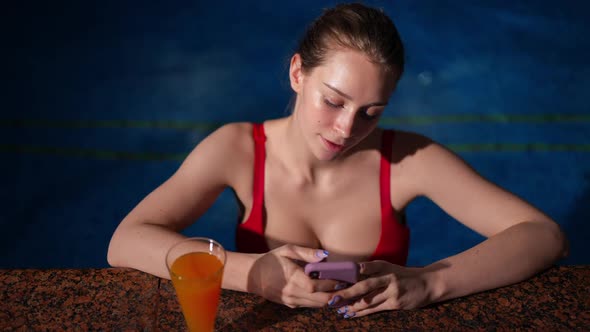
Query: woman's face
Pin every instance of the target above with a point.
(339, 103)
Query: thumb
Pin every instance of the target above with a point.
(298, 253)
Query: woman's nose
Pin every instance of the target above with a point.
(344, 124)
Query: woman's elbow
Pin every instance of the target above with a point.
(111, 258)
(113, 252)
(565, 243)
(558, 240)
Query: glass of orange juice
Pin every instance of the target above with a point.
(196, 269)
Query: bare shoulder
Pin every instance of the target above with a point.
(410, 147)
(420, 159)
(236, 137)
(224, 152)
(431, 170)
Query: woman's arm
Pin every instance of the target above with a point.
(152, 227)
(144, 236)
(521, 239)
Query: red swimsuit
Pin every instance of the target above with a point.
(395, 237)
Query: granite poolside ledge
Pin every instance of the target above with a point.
(123, 299)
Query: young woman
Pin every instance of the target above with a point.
(325, 181)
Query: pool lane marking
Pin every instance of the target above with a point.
(104, 154)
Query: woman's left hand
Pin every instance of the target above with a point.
(385, 287)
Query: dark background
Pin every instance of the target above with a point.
(101, 101)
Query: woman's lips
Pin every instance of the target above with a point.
(331, 145)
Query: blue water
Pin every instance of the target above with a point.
(73, 72)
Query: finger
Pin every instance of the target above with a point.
(359, 289)
(301, 286)
(302, 297)
(369, 310)
(372, 302)
(327, 285)
(302, 254)
(373, 267)
(363, 287)
(304, 282)
(318, 299)
(349, 312)
(372, 299)
(296, 302)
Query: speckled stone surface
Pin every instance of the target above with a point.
(77, 300)
(122, 299)
(556, 300)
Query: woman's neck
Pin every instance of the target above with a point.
(295, 154)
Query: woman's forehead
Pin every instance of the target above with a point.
(354, 73)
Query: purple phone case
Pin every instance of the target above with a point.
(341, 271)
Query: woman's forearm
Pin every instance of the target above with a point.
(144, 247)
(511, 256)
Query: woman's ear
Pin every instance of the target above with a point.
(295, 73)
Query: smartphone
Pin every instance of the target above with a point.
(341, 271)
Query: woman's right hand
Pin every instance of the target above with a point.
(278, 276)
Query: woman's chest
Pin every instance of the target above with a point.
(342, 216)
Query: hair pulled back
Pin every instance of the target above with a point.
(357, 27)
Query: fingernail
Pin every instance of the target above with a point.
(335, 300)
(342, 310)
(340, 285)
(362, 266)
(349, 315)
(322, 253)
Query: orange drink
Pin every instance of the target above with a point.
(196, 270)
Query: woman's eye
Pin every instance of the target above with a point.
(365, 115)
(331, 104)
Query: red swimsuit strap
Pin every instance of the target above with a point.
(393, 243)
(385, 176)
(258, 187)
